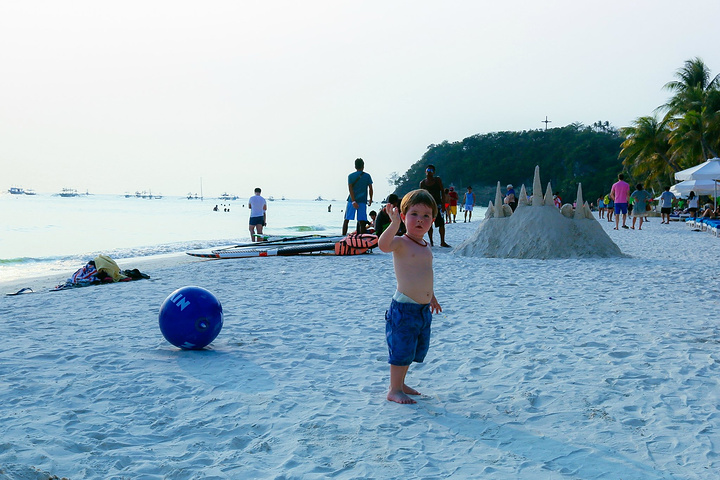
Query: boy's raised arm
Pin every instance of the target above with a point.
(387, 238)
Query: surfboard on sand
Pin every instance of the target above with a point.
(352, 244)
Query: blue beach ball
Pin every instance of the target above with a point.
(191, 318)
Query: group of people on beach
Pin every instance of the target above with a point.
(360, 198)
(620, 203)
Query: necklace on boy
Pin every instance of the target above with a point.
(424, 244)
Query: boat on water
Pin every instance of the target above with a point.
(227, 196)
(271, 198)
(190, 196)
(29, 191)
(144, 194)
(319, 199)
(16, 191)
(68, 192)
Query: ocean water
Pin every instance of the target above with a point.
(44, 234)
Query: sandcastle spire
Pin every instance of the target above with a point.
(537, 198)
(522, 200)
(549, 195)
(579, 204)
(498, 202)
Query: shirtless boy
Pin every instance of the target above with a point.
(407, 322)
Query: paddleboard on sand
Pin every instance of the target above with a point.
(294, 246)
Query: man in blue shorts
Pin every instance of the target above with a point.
(359, 185)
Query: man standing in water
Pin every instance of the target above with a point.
(434, 185)
(258, 219)
(359, 184)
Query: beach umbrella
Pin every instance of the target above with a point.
(708, 170)
(700, 187)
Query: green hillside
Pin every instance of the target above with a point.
(566, 156)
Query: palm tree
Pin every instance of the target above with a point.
(646, 150)
(693, 113)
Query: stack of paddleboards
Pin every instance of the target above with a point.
(285, 246)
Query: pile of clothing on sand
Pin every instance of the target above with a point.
(102, 269)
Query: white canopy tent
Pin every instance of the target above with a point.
(702, 179)
(700, 187)
(708, 170)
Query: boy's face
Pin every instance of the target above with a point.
(418, 220)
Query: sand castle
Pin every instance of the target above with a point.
(538, 229)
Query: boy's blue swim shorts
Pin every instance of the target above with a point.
(407, 329)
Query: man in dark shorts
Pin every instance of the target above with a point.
(666, 200)
(434, 185)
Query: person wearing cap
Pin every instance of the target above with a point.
(453, 195)
(510, 197)
(434, 185)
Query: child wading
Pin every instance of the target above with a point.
(407, 322)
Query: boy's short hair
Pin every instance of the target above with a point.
(418, 197)
(359, 163)
(257, 190)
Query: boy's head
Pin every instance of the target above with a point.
(430, 170)
(359, 164)
(667, 188)
(257, 191)
(393, 200)
(372, 214)
(469, 189)
(418, 197)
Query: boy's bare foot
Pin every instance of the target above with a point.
(399, 397)
(443, 244)
(410, 390)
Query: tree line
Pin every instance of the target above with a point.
(566, 155)
(649, 151)
(680, 134)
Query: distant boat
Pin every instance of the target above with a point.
(30, 191)
(68, 192)
(319, 199)
(190, 196)
(227, 196)
(16, 190)
(283, 197)
(271, 198)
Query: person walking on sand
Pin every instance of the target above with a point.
(693, 204)
(258, 215)
(434, 185)
(619, 194)
(666, 199)
(453, 196)
(408, 321)
(640, 210)
(469, 201)
(361, 194)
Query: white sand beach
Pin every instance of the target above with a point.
(537, 369)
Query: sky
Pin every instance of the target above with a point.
(172, 95)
